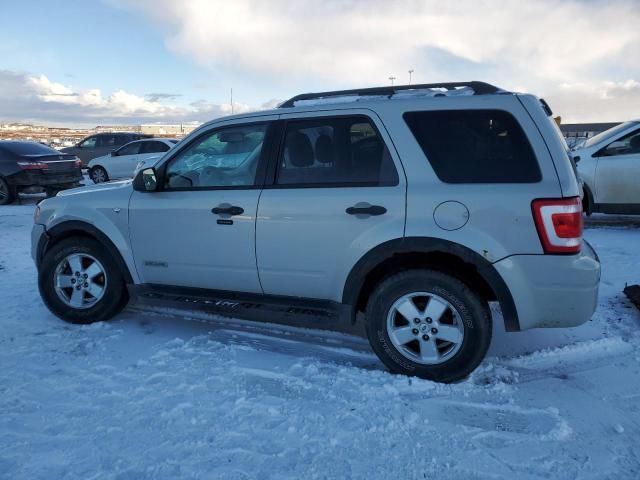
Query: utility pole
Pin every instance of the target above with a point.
(231, 100)
(410, 73)
(392, 78)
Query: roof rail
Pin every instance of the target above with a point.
(479, 88)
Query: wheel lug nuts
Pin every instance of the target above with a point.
(434, 330)
(86, 276)
(429, 320)
(78, 287)
(86, 284)
(416, 320)
(425, 337)
(73, 280)
(415, 331)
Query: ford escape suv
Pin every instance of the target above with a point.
(415, 206)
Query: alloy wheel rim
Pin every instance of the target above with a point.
(99, 175)
(425, 328)
(80, 281)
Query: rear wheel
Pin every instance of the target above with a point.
(80, 283)
(428, 324)
(7, 193)
(98, 175)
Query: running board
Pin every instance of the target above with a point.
(293, 311)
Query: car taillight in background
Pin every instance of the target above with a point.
(78, 163)
(559, 224)
(33, 165)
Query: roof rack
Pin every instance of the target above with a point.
(479, 88)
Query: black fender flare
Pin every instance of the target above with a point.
(377, 255)
(70, 226)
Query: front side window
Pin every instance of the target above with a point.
(343, 151)
(224, 158)
(627, 145)
(89, 142)
(130, 149)
(475, 146)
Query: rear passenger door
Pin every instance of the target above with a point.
(337, 190)
(120, 164)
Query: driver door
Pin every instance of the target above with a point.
(198, 230)
(618, 172)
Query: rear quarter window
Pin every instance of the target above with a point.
(475, 146)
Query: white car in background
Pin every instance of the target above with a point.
(125, 161)
(609, 165)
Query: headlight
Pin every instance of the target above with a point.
(36, 214)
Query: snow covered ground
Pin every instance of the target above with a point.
(154, 395)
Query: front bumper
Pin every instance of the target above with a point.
(553, 290)
(39, 239)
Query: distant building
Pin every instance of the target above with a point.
(179, 129)
(576, 133)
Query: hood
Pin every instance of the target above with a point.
(100, 187)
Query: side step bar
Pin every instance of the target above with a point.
(292, 311)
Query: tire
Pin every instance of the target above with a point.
(98, 174)
(465, 320)
(102, 295)
(7, 192)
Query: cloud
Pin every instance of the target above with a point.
(537, 45)
(154, 97)
(36, 98)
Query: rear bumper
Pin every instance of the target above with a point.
(33, 179)
(552, 290)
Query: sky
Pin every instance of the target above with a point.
(88, 63)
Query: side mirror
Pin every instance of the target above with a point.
(146, 180)
(114, 153)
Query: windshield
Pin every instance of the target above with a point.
(607, 133)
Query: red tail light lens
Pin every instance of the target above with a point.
(559, 224)
(33, 165)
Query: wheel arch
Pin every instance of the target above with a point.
(76, 228)
(434, 253)
(589, 196)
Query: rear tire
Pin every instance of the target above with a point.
(7, 192)
(453, 332)
(98, 175)
(80, 283)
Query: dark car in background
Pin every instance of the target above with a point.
(29, 167)
(101, 144)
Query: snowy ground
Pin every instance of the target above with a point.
(154, 395)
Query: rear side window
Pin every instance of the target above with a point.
(341, 151)
(475, 146)
(154, 147)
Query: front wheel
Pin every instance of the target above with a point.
(98, 175)
(80, 283)
(428, 324)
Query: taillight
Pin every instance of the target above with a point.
(559, 224)
(33, 165)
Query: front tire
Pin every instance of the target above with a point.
(80, 283)
(7, 193)
(428, 324)
(98, 175)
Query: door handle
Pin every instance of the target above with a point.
(227, 209)
(366, 209)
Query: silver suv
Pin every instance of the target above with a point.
(416, 206)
